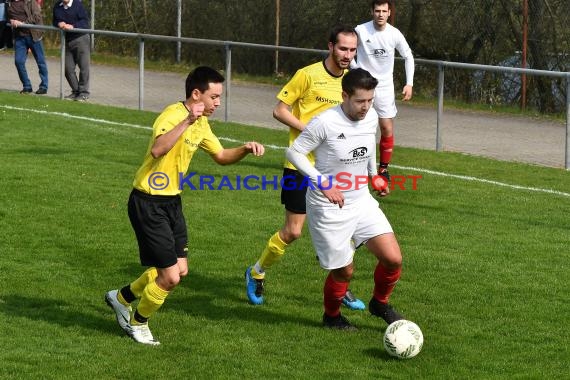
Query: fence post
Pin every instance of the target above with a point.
(440, 82)
(567, 145)
(228, 48)
(178, 30)
(61, 62)
(92, 4)
(141, 74)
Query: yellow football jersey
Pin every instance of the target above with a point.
(161, 176)
(312, 90)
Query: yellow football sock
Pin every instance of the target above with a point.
(151, 300)
(122, 299)
(272, 253)
(138, 285)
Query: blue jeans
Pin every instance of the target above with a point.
(21, 46)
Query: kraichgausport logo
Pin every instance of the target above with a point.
(343, 181)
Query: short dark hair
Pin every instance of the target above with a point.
(358, 79)
(200, 79)
(375, 3)
(338, 29)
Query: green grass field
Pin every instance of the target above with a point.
(486, 267)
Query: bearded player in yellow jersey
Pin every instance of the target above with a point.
(155, 208)
(312, 90)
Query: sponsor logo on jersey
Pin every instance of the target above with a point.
(377, 53)
(341, 137)
(328, 101)
(188, 142)
(358, 152)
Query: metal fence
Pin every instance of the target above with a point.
(442, 68)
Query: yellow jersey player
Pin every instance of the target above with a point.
(155, 207)
(312, 90)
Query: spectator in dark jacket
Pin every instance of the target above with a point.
(5, 33)
(68, 15)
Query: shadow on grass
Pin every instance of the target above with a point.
(223, 298)
(62, 313)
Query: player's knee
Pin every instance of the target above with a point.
(386, 128)
(347, 272)
(393, 262)
(168, 282)
(385, 131)
(183, 273)
(291, 234)
(343, 274)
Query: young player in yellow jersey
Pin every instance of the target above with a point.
(155, 208)
(312, 90)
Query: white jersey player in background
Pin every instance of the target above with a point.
(342, 214)
(377, 43)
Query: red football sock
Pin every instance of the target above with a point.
(386, 147)
(384, 282)
(333, 293)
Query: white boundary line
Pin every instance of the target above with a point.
(420, 170)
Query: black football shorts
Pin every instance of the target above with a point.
(160, 228)
(293, 191)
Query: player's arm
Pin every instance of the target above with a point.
(409, 66)
(282, 112)
(308, 141)
(229, 156)
(303, 164)
(165, 142)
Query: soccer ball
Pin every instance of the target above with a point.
(403, 339)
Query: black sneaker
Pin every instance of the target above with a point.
(384, 311)
(41, 91)
(339, 322)
(81, 98)
(26, 91)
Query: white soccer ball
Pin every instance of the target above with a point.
(403, 339)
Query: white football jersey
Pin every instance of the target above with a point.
(376, 53)
(344, 150)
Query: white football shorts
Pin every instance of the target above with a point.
(385, 102)
(337, 232)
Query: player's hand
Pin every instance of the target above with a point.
(196, 110)
(407, 92)
(381, 183)
(333, 194)
(255, 148)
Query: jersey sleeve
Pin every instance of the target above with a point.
(405, 51)
(295, 88)
(210, 143)
(163, 124)
(312, 136)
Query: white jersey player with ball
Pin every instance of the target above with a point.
(342, 214)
